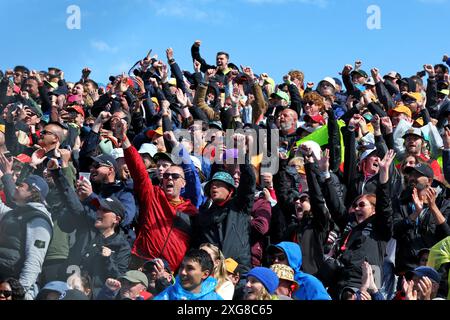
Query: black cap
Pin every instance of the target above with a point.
(106, 160)
(111, 204)
(360, 72)
(73, 294)
(422, 168)
(148, 266)
(163, 156)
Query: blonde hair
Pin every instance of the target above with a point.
(220, 271)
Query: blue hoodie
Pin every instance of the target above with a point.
(176, 292)
(310, 288)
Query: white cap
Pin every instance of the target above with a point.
(366, 153)
(330, 80)
(117, 153)
(370, 81)
(149, 148)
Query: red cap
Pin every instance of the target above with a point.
(78, 109)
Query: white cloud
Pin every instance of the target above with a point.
(319, 3)
(102, 46)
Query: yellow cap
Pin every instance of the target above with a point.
(231, 265)
(401, 108)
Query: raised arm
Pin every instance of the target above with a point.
(384, 213)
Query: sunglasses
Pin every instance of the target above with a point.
(361, 204)
(6, 293)
(309, 103)
(45, 132)
(276, 257)
(98, 165)
(174, 176)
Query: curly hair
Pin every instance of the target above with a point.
(314, 97)
(18, 292)
(297, 74)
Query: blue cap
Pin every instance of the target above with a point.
(427, 272)
(58, 286)
(266, 276)
(38, 183)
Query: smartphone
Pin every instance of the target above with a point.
(85, 176)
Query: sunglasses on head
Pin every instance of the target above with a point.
(174, 176)
(6, 293)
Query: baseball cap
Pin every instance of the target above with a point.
(329, 80)
(117, 153)
(366, 153)
(421, 168)
(413, 95)
(391, 74)
(151, 133)
(370, 82)
(280, 94)
(162, 156)
(413, 131)
(135, 276)
(77, 108)
(360, 72)
(106, 160)
(401, 108)
(148, 148)
(149, 265)
(231, 265)
(39, 184)
(110, 204)
(427, 272)
(58, 286)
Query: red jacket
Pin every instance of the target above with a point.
(162, 234)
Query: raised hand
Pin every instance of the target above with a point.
(425, 286)
(408, 289)
(430, 196)
(169, 54)
(417, 200)
(210, 73)
(6, 164)
(38, 157)
(429, 69)
(347, 69)
(113, 284)
(182, 97)
(197, 66)
(324, 161)
(85, 73)
(384, 165)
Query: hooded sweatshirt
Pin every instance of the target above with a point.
(176, 292)
(38, 234)
(310, 288)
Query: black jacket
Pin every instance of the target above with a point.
(228, 226)
(412, 236)
(311, 232)
(365, 241)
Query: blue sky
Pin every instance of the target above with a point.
(273, 36)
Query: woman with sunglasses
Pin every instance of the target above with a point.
(11, 289)
(366, 227)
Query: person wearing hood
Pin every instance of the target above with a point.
(290, 253)
(194, 281)
(25, 231)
